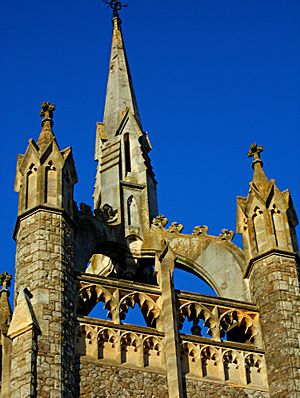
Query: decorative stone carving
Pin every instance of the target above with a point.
(160, 221)
(5, 280)
(195, 312)
(106, 214)
(240, 326)
(89, 295)
(200, 230)
(152, 347)
(86, 209)
(226, 234)
(47, 111)
(175, 227)
(233, 324)
(255, 151)
(5, 310)
(148, 306)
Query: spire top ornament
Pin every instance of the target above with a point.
(47, 111)
(254, 153)
(115, 5)
(5, 280)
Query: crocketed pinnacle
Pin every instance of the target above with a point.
(46, 135)
(120, 94)
(5, 310)
(259, 178)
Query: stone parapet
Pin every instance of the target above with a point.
(224, 347)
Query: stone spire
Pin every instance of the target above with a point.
(46, 135)
(120, 94)
(125, 182)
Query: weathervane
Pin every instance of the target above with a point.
(115, 5)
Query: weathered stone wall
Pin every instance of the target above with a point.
(44, 265)
(107, 381)
(99, 380)
(23, 366)
(205, 389)
(275, 289)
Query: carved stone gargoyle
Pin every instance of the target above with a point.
(85, 209)
(106, 214)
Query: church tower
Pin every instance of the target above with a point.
(267, 220)
(122, 255)
(42, 324)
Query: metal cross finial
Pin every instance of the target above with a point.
(5, 279)
(47, 111)
(115, 5)
(255, 151)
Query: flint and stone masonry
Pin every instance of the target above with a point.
(122, 254)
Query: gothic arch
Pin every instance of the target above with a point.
(221, 266)
(132, 211)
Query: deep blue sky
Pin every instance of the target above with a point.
(211, 77)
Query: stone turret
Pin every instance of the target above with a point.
(43, 320)
(125, 179)
(267, 219)
(45, 174)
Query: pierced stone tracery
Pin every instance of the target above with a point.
(217, 348)
(222, 323)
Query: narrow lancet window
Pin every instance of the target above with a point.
(259, 229)
(133, 218)
(50, 184)
(31, 188)
(127, 153)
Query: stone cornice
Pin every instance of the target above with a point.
(38, 208)
(268, 253)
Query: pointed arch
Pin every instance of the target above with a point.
(259, 228)
(278, 226)
(31, 187)
(50, 184)
(133, 215)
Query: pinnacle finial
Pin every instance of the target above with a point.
(5, 280)
(254, 152)
(47, 111)
(115, 5)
